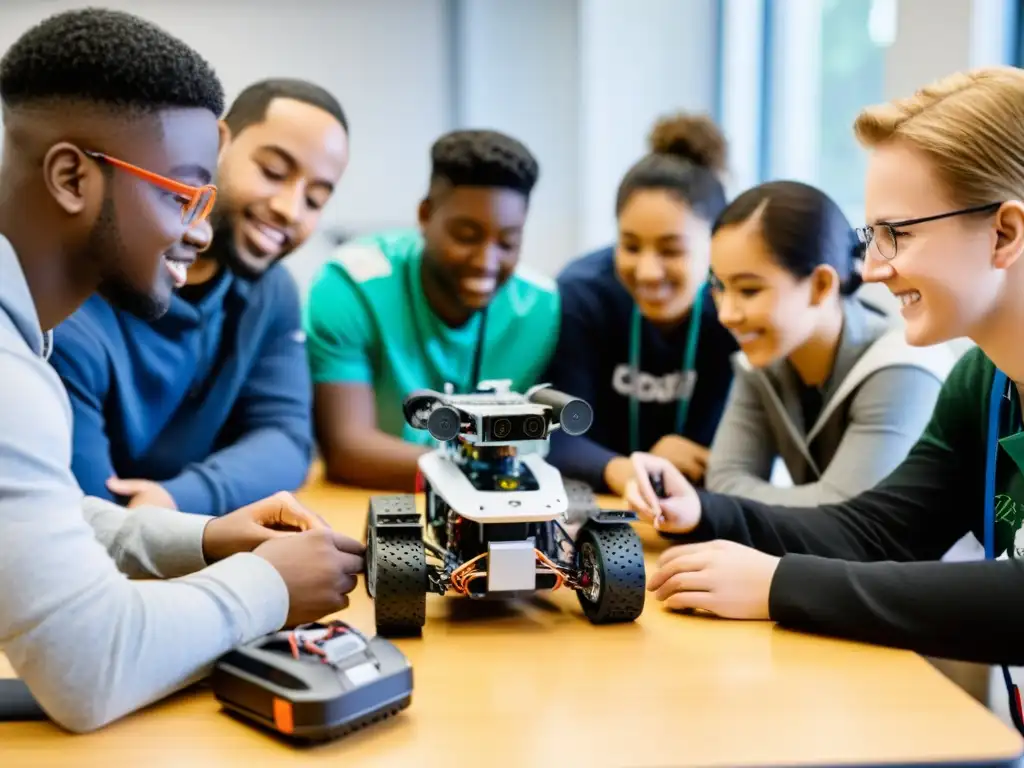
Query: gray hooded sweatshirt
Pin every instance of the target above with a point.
(91, 643)
(873, 409)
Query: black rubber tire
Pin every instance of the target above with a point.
(397, 579)
(619, 557)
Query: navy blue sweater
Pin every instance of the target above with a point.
(212, 400)
(591, 361)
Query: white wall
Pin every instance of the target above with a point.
(387, 62)
(518, 71)
(579, 81)
(938, 37)
(639, 60)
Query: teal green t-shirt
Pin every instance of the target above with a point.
(367, 321)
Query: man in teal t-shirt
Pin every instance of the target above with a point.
(406, 310)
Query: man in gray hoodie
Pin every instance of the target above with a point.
(110, 140)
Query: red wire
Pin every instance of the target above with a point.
(314, 646)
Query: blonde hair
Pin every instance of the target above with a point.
(970, 125)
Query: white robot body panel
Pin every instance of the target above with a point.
(449, 482)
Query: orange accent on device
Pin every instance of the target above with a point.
(284, 719)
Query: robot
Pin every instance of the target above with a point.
(495, 514)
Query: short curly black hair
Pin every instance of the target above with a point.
(250, 106)
(481, 158)
(107, 57)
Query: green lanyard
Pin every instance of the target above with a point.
(689, 357)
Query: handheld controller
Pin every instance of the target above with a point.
(316, 683)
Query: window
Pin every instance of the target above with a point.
(826, 60)
(1015, 16)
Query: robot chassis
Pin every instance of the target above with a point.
(492, 526)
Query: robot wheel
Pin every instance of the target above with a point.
(612, 575)
(396, 567)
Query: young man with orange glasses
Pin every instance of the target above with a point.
(109, 143)
(208, 408)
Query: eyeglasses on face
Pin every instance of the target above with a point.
(883, 234)
(196, 202)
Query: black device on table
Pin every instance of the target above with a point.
(658, 484)
(17, 704)
(315, 683)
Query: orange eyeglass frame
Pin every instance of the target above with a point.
(197, 202)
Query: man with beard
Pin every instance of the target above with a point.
(400, 311)
(110, 140)
(208, 408)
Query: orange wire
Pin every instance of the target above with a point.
(465, 573)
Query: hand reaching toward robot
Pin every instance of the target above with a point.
(678, 511)
(720, 577)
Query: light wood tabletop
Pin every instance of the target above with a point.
(534, 683)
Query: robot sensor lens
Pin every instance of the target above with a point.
(533, 426)
(502, 428)
(444, 423)
(576, 417)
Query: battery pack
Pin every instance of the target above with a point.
(316, 683)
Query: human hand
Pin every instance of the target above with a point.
(721, 577)
(687, 456)
(319, 567)
(245, 529)
(678, 512)
(142, 493)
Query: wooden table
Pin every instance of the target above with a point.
(535, 685)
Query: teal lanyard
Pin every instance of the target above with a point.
(689, 358)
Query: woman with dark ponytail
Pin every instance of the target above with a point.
(639, 338)
(823, 380)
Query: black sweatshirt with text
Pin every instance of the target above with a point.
(868, 569)
(592, 361)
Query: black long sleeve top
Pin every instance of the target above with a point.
(869, 568)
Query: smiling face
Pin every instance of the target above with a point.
(473, 236)
(274, 179)
(769, 310)
(943, 273)
(662, 254)
(138, 230)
